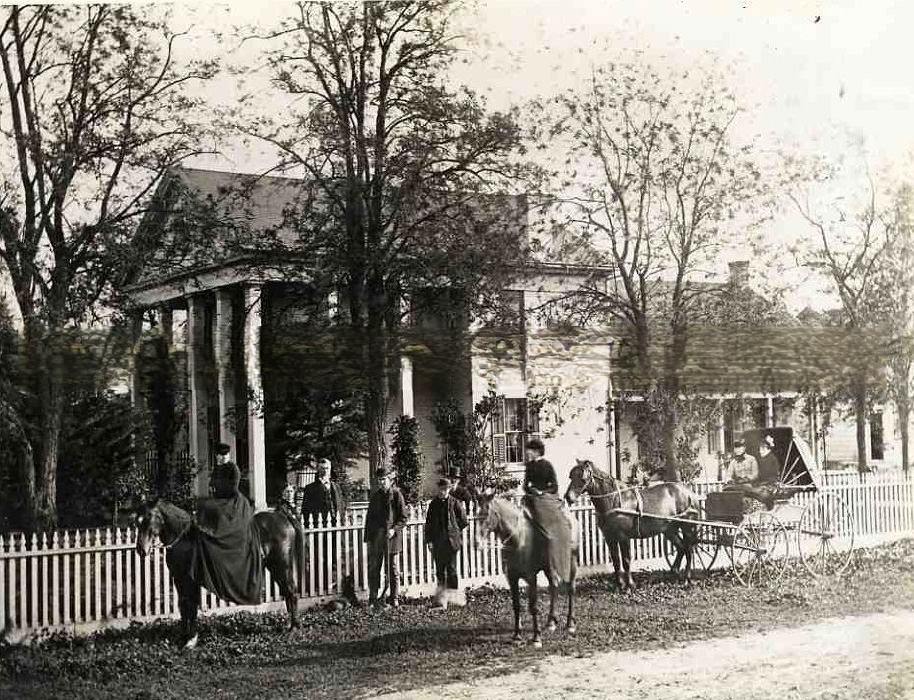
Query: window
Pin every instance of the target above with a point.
(877, 437)
(515, 422)
(714, 445)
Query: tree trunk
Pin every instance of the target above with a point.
(377, 390)
(904, 418)
(672, 387)
(48, 378)
(860, 419)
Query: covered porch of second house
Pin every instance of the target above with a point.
(268, 366)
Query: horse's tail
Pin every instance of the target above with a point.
(299, 554)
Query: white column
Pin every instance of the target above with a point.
(222, 346)
(199, 398)
(253, 318)
(721, 436)
(406, 386)
(769, 413)
(167, 323)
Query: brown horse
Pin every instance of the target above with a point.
(282, 543)
(617, 507)
(524, 555)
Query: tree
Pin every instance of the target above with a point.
(651, 188)
(402, 173)
(92, 104)
(894, 300)
(847, 245)
(405, 456)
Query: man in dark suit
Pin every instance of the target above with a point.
(384, 525)
(444, 524)
(317, 498)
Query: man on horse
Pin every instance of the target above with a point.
(541, 500)
(227, 557)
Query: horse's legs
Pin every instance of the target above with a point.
(614, 553)
(515, 602)
(188, 602)
(626, 547)
(284, 575)
(552, 622)
(573, 572)
(672, 534)
(533, 607)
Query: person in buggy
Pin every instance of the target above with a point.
(756, 480)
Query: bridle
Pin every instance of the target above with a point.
(159, 521)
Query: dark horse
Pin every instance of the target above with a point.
(282, 542)
(524, 555)
(672, 501)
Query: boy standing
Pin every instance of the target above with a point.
(444, 524)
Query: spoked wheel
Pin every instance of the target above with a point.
(759, 546)
(704, 553)
(825, 535)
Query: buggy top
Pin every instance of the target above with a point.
(799, 470)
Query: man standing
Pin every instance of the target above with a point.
(317, 498)
(384, 524)
(444, 524)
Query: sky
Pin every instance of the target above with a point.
(824, 79)
(820, 78)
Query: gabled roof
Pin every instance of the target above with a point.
(761, 358)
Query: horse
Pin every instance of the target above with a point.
(524, 555)
(282, 542)
(667, 500)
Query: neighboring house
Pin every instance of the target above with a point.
(763, 366)
(235, 305)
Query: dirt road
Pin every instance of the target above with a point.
(870, 656)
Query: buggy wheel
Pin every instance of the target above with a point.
(704, 554)
(759, 547)
(825, 535)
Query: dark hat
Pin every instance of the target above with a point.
(739, 443)
(444, 481)
(536, 444)
(380, 473)
(222, 449)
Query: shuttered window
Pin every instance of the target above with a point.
(515, 422)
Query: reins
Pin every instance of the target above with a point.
(179, 536)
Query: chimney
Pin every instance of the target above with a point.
(739, 273)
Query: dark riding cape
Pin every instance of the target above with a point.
(227, 558)
(554, 529)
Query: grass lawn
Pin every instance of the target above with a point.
(355, 652)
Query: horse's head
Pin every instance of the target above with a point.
(489, 513)
(580, 480)
(149, 521)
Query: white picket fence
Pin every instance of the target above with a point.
(83, 580)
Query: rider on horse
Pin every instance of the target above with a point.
(227, 555)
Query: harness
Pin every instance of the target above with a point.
(179, 536)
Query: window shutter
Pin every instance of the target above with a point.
(499, 449)
(499, 441)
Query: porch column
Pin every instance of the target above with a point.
(769, 412)
(199, 398)
(721, 437)
(406, 386)
(136, 388)
(222, 346)
(253, 319)
(167, 323)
